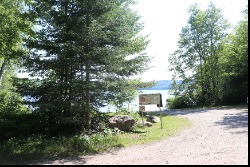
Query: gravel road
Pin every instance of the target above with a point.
(219, 136)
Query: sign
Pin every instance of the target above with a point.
(149, 99)
(142, 108)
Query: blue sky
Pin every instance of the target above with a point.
(163, 21)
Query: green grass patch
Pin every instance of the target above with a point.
(171, 125)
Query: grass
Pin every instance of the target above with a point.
(171, 125)
(17, 151)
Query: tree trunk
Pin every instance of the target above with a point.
(88, 112)
(202, 82)
(2, 70)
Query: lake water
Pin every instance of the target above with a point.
(134, 105)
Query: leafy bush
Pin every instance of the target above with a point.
(179, 102)
(11, 102)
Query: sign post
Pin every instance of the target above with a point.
(149, 99)
(161, 117)
(142, 109)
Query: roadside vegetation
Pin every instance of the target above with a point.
(37, 147)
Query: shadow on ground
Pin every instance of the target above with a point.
(43, 161)
(239, 122)
(71, 161)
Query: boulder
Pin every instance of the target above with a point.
(146, 123)
(153, 119)
(122, 122)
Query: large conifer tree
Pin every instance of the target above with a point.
(83, 54)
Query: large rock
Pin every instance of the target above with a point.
(153, 119)
(122, 122)
(144, 123)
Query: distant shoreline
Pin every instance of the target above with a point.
(162, 85)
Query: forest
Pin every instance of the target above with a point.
(80, 55)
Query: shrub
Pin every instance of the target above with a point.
(179, 102)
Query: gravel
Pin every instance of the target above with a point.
(219, 136)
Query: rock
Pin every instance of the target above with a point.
(146, 123)
(122, 122)
(153, 119)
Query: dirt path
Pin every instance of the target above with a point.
(218, 137)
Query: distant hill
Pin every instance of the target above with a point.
(162, 85)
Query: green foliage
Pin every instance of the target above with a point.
(14, 26)
(180, 102)
(83, 54)
(11, 103)
(41, 147)
(126, 91)
(19, 125)
(212, 64)
(234, 64)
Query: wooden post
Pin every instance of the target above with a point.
(161, 117)
(141, 110)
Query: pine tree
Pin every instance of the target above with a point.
(84, 52)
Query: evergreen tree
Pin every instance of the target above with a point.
(84, 52)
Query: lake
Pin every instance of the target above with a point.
(134, 106)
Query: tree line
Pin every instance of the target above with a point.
(211, 60)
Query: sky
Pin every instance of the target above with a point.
(163, 21)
